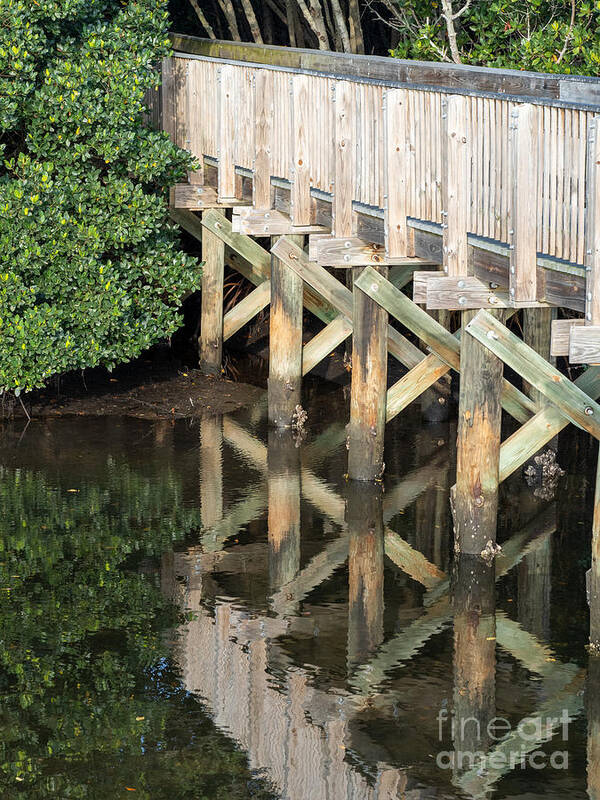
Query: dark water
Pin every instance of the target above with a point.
(206, 610)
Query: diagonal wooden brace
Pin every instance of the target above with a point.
(559, 390)
(445, 345)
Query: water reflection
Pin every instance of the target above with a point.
(324, 627)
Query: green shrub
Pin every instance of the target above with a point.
(90, 270)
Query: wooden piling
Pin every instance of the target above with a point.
(474, 657)
(595, 571)
(285, 337)
(364, 515)
(369, 386)
(592, 707)
(211, 321)
(537, 333)
(478, 445)
(283, 479)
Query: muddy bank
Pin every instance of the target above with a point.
(140, 390)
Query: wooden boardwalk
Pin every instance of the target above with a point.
(478, 187)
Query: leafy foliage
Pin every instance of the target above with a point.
(90, 702)
(91, 272)
(541, 35)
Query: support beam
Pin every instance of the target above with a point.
(329, 251)
(285, 342)
(574, 404)
(197, 197)
(369, 387)
(246, 309)
(475, 504)
(254, 222)
(595, 571)
(542, 428)
(211, 325)
(446, 346)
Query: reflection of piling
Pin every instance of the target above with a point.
(365, 571)
(211, 339)
(369, 387)
(285, 342)
(474, 656)
(211, 470)
(592, 703)
(283, 461)
(478, 445)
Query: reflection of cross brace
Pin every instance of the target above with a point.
(572, 402)
(438, 615)
(320, 495)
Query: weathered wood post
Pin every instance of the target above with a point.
(592, 707)
(474, 658)
(369, 386)
(285, 341)
(595, 571)
(364, 514)
(475, 504)
(283, 479)
(211, 320)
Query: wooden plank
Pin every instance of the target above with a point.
(461, 293)
(542, 428)
(573, 403)
(246, 309)
(395, 168)
(255, 222)
(330, 251)
(561, 334)
(302, 128)
(455, 185)
(264, 113)
(592, 225)
(321, 345)
(340, 297)
(344, 133)
(584, 344)
(227, 113)
(595, 570)
(445, 344)
(199, 197)
(524, 167)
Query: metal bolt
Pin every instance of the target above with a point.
(462, 300)
(512, 270)
(373, 287)
(347, 244)
(346, 258)
(461, 284)
(511, 231)
(492, 299)
(589, 295)
(493, 285)
(588, 316)
(589, 411)
(512, 292)
(492, 335)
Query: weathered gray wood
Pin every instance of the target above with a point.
(570, 89)
(524, 176)
(211, 471)
(574, 404)
(264, 110)
(302, 116)
(325, 342)
(227, 112)
(462, 293)
(592, 224)
(537, 328)
(211, 324)
(369, 387)
(330, 251)
(595, 570)
(456, 185)
(246, 309)
(478, 445)
(285, 342)
(445, 344)
(561, 334)
(344, 136)
(395, 164)
(584, 344)
(542, 428)
(198, 197)
(256, 222)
